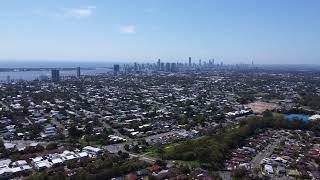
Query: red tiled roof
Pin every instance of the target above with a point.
(153, 168)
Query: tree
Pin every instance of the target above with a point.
(74, 132)
(2, 148)
(52, 146)
(35, 129)
(123, 155)
(161, 163)
(126, 147)
(88, 129)
(267, 113)
(160, 150)
(72, 165)
(239, 173)
(38, 176)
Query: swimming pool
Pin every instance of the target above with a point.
(298, 116)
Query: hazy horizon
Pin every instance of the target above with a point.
(232, 32)
(110, 63)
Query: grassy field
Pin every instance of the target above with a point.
(170, 147)
(167, 148)
(83, 142)
(153, 152)
(275, 114)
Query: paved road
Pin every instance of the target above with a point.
(282, 178)
(225, 175)
(115, 148)
(156, 137)
(144, 157)
(266, 152)
(310, 109)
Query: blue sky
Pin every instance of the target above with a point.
(233, 31)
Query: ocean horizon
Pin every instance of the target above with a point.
(57, 64)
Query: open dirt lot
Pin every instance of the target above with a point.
(260, 107)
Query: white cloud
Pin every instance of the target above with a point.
(128, 29)
(79, 12)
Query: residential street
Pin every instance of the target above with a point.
(266, 152)
(225, 175)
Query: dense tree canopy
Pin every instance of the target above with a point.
(211, 150)
(311, 101)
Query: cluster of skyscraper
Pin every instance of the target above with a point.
(158, 66)
(167, 66)
(55, 74)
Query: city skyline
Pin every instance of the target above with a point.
(268, 32)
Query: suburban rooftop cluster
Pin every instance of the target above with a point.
(143, 113)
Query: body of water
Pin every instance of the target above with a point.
(32, 75)
(298, 116)
(55, 64)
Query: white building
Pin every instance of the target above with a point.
(269, 170)
(92, 150)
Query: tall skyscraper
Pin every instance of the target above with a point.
(162, 66)
(189, 61)
(8, 79)
(55, 75)
(173, 67)
(135, 66)
(168, 67)
(116, 68)
(158, 65)
(78, 72)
